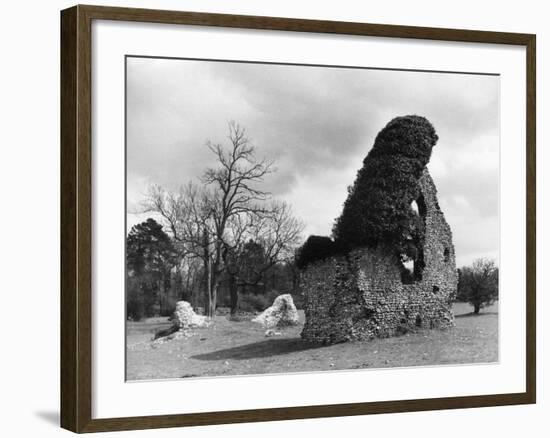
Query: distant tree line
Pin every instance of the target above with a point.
(158, 277)
(226, 241)
(219, 239)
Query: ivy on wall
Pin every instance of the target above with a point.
(378, 207)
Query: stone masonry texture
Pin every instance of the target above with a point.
(361, 295)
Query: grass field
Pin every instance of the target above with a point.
(237, 348)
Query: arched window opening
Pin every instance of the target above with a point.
(412, 267)
(414, 207)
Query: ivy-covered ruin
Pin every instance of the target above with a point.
(390, 266)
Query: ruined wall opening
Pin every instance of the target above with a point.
(412, 269)
(421, 206)
(446, 255)
(407, 270)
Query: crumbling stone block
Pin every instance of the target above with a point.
(280, 314)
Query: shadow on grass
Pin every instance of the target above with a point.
(464, 315)
(271, 347)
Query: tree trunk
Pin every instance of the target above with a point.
(476, 309)
(210, 303)
(233, 294)
(188, 290)
(160, 287)
(209, 290)
(213, 300)
(192, 290)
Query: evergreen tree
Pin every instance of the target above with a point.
(150, 255)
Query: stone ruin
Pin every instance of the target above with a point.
(362, 293)
(183, 319)
(281, 313)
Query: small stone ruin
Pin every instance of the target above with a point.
(282, 313)
(183, 319)
(363, 293)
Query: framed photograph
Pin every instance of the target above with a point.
(271, 218)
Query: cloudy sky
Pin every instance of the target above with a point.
(318, 124)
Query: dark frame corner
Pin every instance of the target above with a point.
(76, 239)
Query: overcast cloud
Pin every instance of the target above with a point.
(317, 124)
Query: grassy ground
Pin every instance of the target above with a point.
(236, 348)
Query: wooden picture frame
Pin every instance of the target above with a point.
(76, 217)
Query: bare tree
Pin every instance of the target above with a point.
(235, 196)
(213, 222)
(188, 214)
(276, 231)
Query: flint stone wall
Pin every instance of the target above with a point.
(361, 295)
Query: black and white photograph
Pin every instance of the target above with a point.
(275, 218)
(285, 218)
